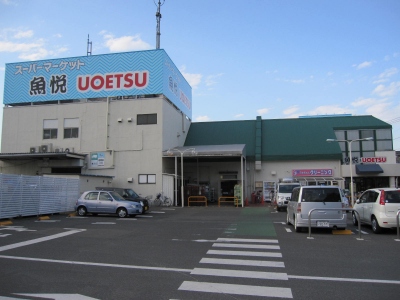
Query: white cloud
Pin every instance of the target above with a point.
(193, 79)
(23, 34)
(124, 43)
(6, 46)
(212, 79)
(329, 110)
(364, 102)
(263, 111)
(291, 110)
(203, 119)
(387, 91)
(239, 116)
(363, 65)
(384, 76)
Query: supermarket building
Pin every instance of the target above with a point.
(125, 120)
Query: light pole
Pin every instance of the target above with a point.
(351, 161)
(182, 152)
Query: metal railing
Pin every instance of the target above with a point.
(398, 228)
(235, 200)
(340, 209)
(197, 199)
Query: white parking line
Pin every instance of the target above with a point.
(39, 240)
(236, 289)
(249, 246)
(247, 240)
(242, 262)
(245, 253)
(241, 274)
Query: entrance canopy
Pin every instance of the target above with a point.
(220, 151)
(318, 179)
(368, 169)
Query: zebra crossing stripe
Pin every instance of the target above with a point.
(223, 245)
(242, 262)
(245, 253)
(241, 274)
(236, 289)
(247, 240)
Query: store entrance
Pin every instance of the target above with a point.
(364, 183)
(227, 187)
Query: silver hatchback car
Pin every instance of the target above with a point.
(96, 202)
(328, 204)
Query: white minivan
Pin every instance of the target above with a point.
(321, 198)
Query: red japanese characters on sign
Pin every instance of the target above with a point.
(312, 172)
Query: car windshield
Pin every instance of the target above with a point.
(392, 196)
(286, 188)
(131, 193)
(116, 196)
(321, 195)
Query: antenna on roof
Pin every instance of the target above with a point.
(89, 47)
(158, 17)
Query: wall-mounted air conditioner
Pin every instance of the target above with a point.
(68, 150)
(46, 148)
(33, 149)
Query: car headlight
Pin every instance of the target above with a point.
(141, 203)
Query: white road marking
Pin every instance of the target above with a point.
(69, 262)
(242, 262)
(222, 245)
(344, 279)
(236, 289)
(4, 235)
(47, 221)
(156, 212)
(59, 296)
(39, 240)
(144, 216)
(104, 223)
(288, 230)
(245, 253)
(247, 240)
(241, 274)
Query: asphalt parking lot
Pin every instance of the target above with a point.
(193, 253)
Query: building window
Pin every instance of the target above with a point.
(147, 178)
(71, 128)
(50, 129)
(146, 119)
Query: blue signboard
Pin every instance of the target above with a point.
(107, 75)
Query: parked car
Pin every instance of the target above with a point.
(306, 198)
(96, 202)
(130, 195)
(378, 208)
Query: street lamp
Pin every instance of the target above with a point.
(182, 152)
(351, 161)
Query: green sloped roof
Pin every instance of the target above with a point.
(282, 139)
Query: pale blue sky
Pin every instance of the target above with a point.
(243, 58)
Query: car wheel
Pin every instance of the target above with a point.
(287, 219)
(296, 228)
(354, 218)
(375, 225)
(122, 213)
(82, 211)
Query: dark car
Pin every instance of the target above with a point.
(128, 194)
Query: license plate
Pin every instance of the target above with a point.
(322, 224)
(145, 208)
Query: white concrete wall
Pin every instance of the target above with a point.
(136, 149)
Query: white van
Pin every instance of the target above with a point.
(306, 198)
